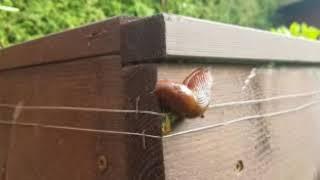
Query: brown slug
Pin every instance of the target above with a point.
(189, 99)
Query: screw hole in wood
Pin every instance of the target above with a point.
(102, 163)
(239, 166)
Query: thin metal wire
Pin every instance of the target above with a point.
(244, 119)
(233, 103)
(90, 109)
(298, 108)
(20, 106)
(254, 101)
(78, 129)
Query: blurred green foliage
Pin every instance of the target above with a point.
(40, 17)
(299, 30)
(8, 8)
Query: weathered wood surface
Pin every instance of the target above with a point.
(34, 153)
(101, 38)
(170, 36)
(280, 147)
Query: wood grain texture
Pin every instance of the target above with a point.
(185, 37)
(279, 148)
(101, 38)
(145, 162)
(143, 40)
(293, 138)
(34, 153)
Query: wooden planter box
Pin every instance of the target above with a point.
(114, 64)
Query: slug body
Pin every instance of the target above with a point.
(189, 99)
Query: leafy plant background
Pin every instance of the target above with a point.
(299, 30)
(41, 17)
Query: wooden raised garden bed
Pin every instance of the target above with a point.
(64, 99)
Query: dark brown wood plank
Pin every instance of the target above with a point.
(143, 40)
(280, 147)
(33, 153)
(170, 36)
(145, 162)
(101, 38)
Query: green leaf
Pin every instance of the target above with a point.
(299, 30)
(295, 29)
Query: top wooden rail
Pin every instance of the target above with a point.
(163, 37)
(171, 36)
